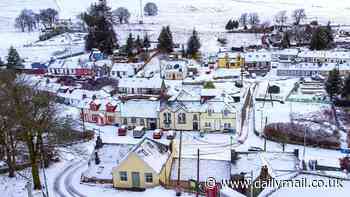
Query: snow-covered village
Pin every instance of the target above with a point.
(163, 98)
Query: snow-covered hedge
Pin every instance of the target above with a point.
(316, 134)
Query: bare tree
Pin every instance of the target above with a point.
(26, 20)
(122, 14)
(243, 20)
(253, 19)
(48, 17)
(281, 18)
(151, 9)
(298, 16)
(8, 128)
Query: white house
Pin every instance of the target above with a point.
(124, 70)
(175, 69)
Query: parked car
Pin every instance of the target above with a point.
(157, 134)
(170, 135)
(254, 148)
(122, 131)
(139, 132)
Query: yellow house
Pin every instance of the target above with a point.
(218, 116)
(230, 60)
(146, 165)
(181, 116)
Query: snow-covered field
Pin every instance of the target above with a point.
(209, 17)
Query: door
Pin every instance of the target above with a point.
(195, 126)
(135, 179)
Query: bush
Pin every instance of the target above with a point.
(151, 9)
(294, 133)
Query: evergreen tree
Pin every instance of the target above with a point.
(285, 41)
(138, 44)
(193, 44)
(101, 33)
(334, 84)
(321, 39)
(229, 25)
(146, 42)
(235, 24)
(13, 59)
(165, 40)
(129, 47)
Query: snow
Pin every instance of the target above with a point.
(140, 109)
(207, 168)
(152, 153)
(110, 156)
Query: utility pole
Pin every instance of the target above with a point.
(83, 118)
(251, 184)
(178, 193)
(46, 194)
(197, 185)
(141, 13)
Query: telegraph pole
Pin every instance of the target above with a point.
(197, 185)
(178, 193)
(83, 118)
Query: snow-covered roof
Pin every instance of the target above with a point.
(70, 64)
(140, 83)
(140, 108)
(315, 66)
(128, 67)
(325, 54)
(153, 153)
(230, 55)
(257, 56)
(185, 95)
(174, 65)
(218, 169)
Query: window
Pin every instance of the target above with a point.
(181, 118)
(133, 120)
(226, 112)
(125, 121)
(195, 117)
(110, 119)
(210, 111)
(148, 177)
(207, 124)
(123, 176)
(94, 118)
(142, 122)
(167, 118)
(227, 125)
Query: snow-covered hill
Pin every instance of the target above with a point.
(207, 16)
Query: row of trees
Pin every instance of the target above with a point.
(253, 19)
(28, 20)
(135, 46)
(166, 43)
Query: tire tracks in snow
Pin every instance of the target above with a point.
(66, 175)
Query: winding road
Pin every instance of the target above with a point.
(63, 182)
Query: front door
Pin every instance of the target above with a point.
(135, 179)
(195, 126)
